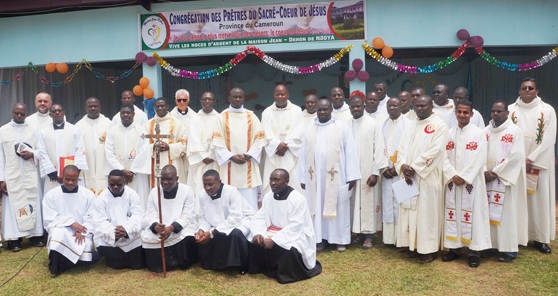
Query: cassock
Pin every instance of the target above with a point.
(109, 211)
(282, 125)
(537, 120)
(61, 208)
(21, 208)
(328, 161)
(186, 119)
(443, 111)
(177, 145)
(126, 150)
(422, 146)
(466, 222)
(307, 119)
(382, 106)
(507, 195)
(284, 217)
(392, 132)
(38, 120)
(56, 144)
(177, 208)
(201, 147)
(240, 132)
(224, 213)
(370, 152)
(94, 133)
(378, 116)
(343, 113)
(139, 117)
(477, 119)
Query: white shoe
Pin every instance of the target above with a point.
(341, 248)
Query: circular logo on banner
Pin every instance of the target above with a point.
(429, 129)
(154, 32)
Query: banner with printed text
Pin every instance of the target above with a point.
(253, 25)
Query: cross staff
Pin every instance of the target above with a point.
(158, 136)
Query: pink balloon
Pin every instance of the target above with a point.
(476, 41)
(151, 61)
(363, 76)
(350, 75)
(141, 57)
(357, 64)
(463, 35)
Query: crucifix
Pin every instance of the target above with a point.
(157, 140)
(283, 81)
(332, 172)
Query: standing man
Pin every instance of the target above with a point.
(416, 92)
(406, 101)
(442, 105)
(94, 126)
(281, 123)
(370, 152)
(171, 149)
(392, 129)
(505, 183)
(41, 118)
(117, 223)
(239, 139)
(372, 104)
(461, 94)
(328, 171)
(21, 202)
(340, 108)
(127, 151)
(466, 210)
(309, 112)
(139, 116)
(58, 145)
(67, 218)
(537, 120)
(380, 89)
(420, 161)
(183, 113)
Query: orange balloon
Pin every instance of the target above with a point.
(137, 90)
(50, 67)
(387, 52)
(148, 93)
(378, 43)
(62, 68)
(144, 82)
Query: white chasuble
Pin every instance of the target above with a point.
(186, 120)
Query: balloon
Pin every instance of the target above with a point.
(62, 68)
(148, 93)
(144, 82)
(357, 64)
(476, 41)
(378, 43)
(350, 75)
(151, 61)
(50, 67)
(387, 52)
(463, 34)
(363, 76)
(137, 90)
(141, 57)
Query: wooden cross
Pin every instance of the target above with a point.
(311, 172)
(332, 172)
(283, 81)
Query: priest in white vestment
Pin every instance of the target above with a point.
(442, 104)
(94, 126)
(416, 92)
(172, 147)
(392, 130)
(466, 222)
(372, 107)
(67, 219)
(537, 120)
(309, 112)
(462, 94)
(284, 245)
(140, 117)
(59, 144)
(21, 199)
(505, 183)
(328, 171)
(183, 113)
(281, 122)
(340, 108)
(126, 150)
(200, 150)
(41, 118)
(366, 203)
(238, 139)
(117, 218)
(420, 161)
(380, 88)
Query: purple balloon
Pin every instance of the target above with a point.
(463, 35)
(350, 75)
(151, 61)
(476, 41)
(357, 64)
(363, 76)
(141, 57)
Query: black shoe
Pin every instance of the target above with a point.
(450, 256)
(505, 258)
(37, 241)
(474, 261)
(14, 245)
(543, 248)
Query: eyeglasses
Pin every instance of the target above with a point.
(497, 111)
(525, 88)
(182, 100)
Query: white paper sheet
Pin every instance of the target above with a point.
(403, 191)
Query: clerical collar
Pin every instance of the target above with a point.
(239, 110)
(117, 195)
(171, 194)
(183, 112)
(65, 190)
(58, 126)
(218, 193)
(283, 194)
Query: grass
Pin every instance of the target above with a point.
(378, 271)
